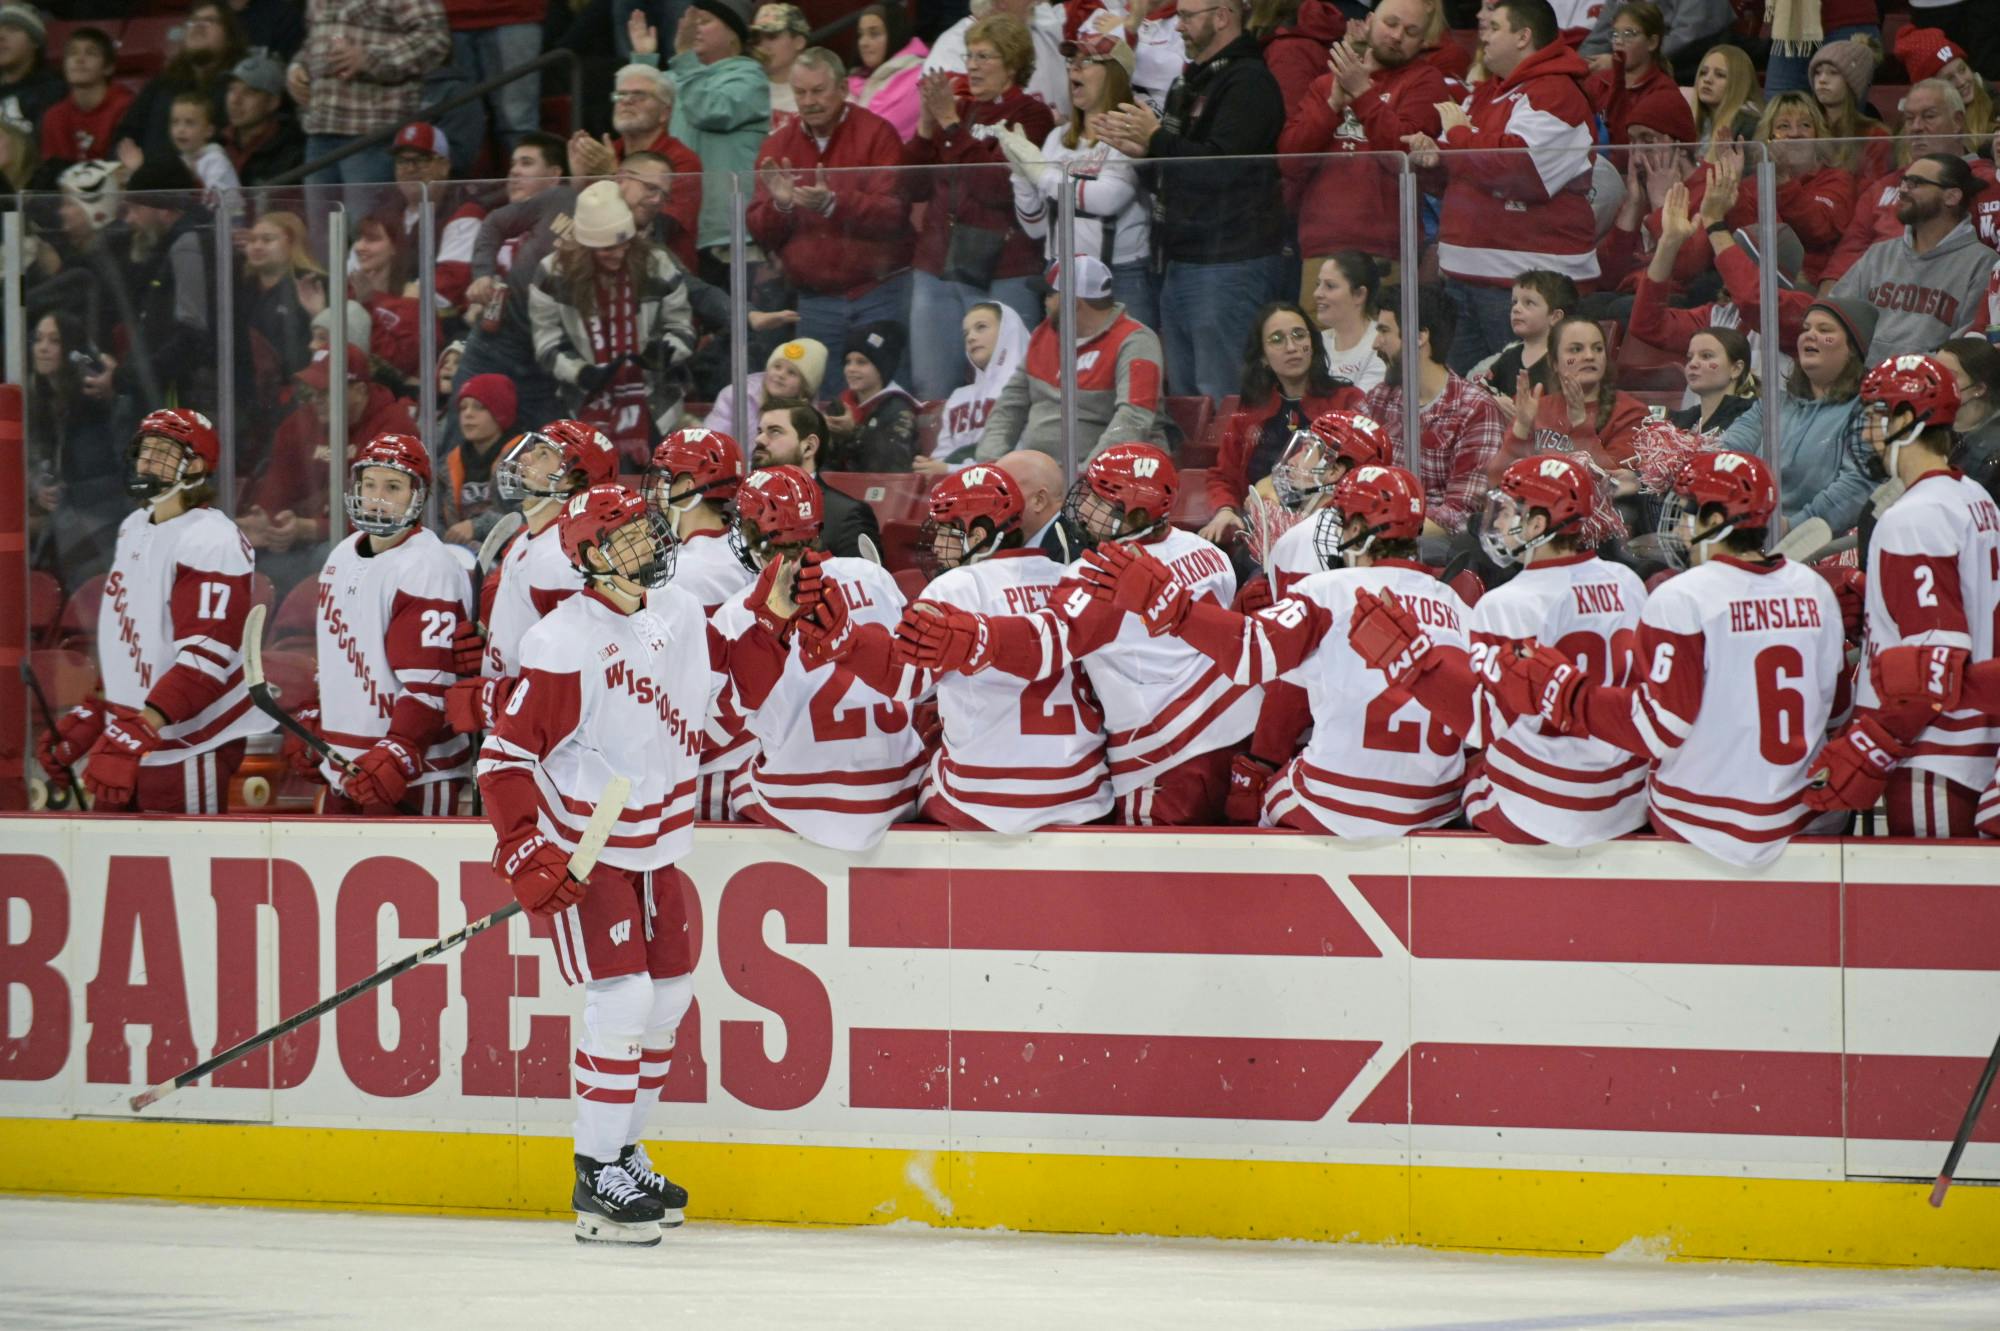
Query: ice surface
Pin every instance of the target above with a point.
(70, 1264)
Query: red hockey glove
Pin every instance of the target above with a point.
(1850, 588)
(809, 587)
(935, 636)
(468, 649)
(301, 757)
(1135, 581)
(539, 875)
(1919, 681)
(1253, 596)
(112, 775)
(1544, 683)
(1248, 778)
(1386, 635)
(825, 623)
(76, 731)
(759, 601)
(1854, 767)
(476, 704)
(382, 774)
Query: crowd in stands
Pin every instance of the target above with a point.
(1588, 254)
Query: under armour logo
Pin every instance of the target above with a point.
(621, 932)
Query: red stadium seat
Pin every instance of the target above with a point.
(1887, 101)
(146, 42)
(1191, 507)
(67, 677)
(263, 592)
(293, 676)
(296, 621)
(911, 581)
(77, 628)
(1191, 416)
(901, 500)
(45, 606)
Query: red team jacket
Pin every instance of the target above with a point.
(1354, 205)
(866, 237)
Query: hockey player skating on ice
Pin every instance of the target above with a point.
(391, 598)
(612, 682)
(168, 730)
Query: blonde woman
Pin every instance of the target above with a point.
(276, 261)
(1724, 98)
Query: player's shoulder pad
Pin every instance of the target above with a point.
(431, 571)
(879, 582)
(1924, 521)
(679, 611)
(212, 542)
(1682, 603)
(956, 586)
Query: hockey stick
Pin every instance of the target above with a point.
(1804, 542)
(1964, 1136)
(34, 684)
(267, 702)
(581, 861)
(503, 531)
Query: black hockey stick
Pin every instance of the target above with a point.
(1958, 1143)
(581, 861)
(34, 683)
(267, 702)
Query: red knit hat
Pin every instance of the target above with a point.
(1925, 51)
(495, 392)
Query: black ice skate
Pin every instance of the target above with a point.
(612, 1208)
(671, 1196)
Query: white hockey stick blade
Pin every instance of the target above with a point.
(1807, 539)
(597, 831)
(503, 530)
(866, 549)
(253, 647)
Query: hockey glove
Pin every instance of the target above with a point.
(759, 601)
(1134, 581)
(301, 757)
(1385, 635)
(112, 775)
(591, 379)
(382, 774)
(468, 648)
(1248, 778)
(1919, 682)
(1547, 684)
(1854, 767)
(76, 731)
(1253, 596)
(1850, 588)
(935, 636)
(475, 704)
(826, 632)
(539, 875)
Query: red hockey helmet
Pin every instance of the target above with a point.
(156, 461)
(399, 452)
(632, 539)
(1389, 503)
(1319, 455)
(1919, 384)
(971, 512)
(1738, 483)
(778, 508)
(710, 459)
(586, 450)
(1552, 482)
(1122, 480)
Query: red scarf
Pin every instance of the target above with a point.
(619, 408)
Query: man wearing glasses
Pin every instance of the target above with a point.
(1930, 282)
(1217, 226)
(1933, 122)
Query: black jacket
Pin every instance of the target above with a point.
(284, 151)
(847, 521)
(1219, 212)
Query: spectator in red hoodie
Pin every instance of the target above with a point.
(83, 126)
(1286, 386)
(974, 203)
(1519, 168)
(1366, 103)
(844, 240)
(1295, 35)
(1636, 79)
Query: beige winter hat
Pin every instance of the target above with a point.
(602, 218)
(808, 357)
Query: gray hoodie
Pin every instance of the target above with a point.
(1924, 298)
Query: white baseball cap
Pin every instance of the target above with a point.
(1093, 279)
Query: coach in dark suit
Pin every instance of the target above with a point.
(791, 432)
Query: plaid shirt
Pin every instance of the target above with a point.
(1463, 433)
(402, 39)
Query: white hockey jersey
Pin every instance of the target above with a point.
(1163, 701)
(707, 568)
(1378, 763)
(604, 694)
(170, 630)
(1017, 755)
(385, 623)
(1292, 556)
(837, 761)
(1934, 581)
(535, 578)
(1566, 790)
(1737, 668)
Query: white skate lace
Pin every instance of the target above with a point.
(641, 1169)
(615, 1184)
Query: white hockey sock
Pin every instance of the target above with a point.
(670, 1003)
(607, 1063)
